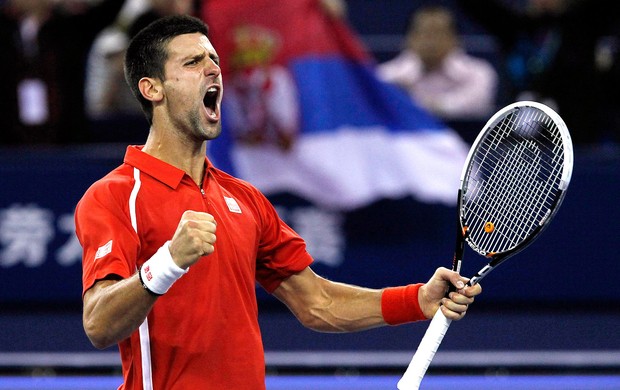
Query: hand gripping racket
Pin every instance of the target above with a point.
(513, 182)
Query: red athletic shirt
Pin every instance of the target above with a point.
(203, 333)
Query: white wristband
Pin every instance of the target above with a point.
(160, 272)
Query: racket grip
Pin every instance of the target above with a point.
(426, 351)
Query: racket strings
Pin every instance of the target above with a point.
(524, 203)
(513, 208)
(516, 203)
(521, 201)
(514, 180)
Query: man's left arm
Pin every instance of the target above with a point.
(328, 306)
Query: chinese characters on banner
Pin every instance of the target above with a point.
(26, 232)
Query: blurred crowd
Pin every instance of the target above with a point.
(63, 66)
(64, 82)
(564, 53)
(437, 72)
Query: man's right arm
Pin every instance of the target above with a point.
(113, 309)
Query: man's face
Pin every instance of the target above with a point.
(432, 37)
(193, 86)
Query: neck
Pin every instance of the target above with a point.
(189, 157)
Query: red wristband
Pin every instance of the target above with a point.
(400, 305)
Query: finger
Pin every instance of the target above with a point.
(458, 281)
(444, 275)
(206, 226)
(456, 306)
(200, 227)
(452, 314)
(207, 249)
(474, 290)
(452, 277)
(201, 238)
(471, 291)
(192, 215)
(465, 295)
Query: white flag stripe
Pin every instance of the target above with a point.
(352, 167)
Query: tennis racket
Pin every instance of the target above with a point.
(513, 182)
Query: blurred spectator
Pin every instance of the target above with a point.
(159, 8)
(438, 73)
(107, 93)
(105, 67)
(51, 41)
(115, 114)
(552, 51)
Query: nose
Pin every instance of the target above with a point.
(212, 68)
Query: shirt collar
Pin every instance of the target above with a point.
(152, 166)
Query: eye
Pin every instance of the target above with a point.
(216, 60)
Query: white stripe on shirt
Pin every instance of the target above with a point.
(145, 341)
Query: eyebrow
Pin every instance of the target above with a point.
(201, 56)
(194, 57)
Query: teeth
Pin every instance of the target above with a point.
(212, 90)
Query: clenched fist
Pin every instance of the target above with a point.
(194, 238)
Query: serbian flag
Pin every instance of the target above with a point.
(304, 112)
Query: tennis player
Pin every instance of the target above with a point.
(172, 246)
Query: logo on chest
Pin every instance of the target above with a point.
(232, 204)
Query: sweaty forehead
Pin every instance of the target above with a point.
(206, 43)
(188, 45)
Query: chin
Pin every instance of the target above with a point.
(214, 131)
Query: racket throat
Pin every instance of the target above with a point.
(481, 274)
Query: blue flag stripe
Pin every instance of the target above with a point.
(336, 92)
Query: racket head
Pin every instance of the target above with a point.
(514, 179)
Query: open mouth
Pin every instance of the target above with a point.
(210, 101)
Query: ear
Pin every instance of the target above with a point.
(151, 89)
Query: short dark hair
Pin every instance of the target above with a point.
(147, 52)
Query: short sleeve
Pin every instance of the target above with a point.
(282, 252)
(104, 229)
